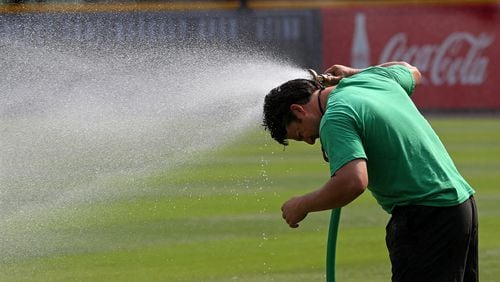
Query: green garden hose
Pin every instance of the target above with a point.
(332, 245)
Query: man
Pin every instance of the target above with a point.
(374, 137)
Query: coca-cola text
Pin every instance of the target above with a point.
(458, 59)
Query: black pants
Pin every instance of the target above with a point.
(434, 243)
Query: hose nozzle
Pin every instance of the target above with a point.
(324, 79)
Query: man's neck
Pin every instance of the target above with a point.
(323, 97)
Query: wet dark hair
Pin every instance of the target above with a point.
(277, 113)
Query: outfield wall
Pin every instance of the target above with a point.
(284, 34)
(453, 43)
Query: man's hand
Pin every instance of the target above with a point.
(347, 184)
(338, 72)
(293, 211)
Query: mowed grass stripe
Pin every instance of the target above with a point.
(219, 220)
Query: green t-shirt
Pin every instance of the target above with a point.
(370, 115)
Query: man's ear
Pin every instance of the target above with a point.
(297, 110)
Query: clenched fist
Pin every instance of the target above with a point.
(293, 211)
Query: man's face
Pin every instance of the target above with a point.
(306, 128)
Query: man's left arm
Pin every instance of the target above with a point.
(347, 184)
(338, 72)
(417, 76)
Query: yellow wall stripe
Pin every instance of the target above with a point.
(117, 7)
(219, 5)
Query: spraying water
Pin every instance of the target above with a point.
(74, 118)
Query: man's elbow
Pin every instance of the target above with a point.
(356, 175)
(358, 184)
(353, 188)
(353, 177)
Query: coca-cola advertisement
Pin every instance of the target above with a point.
(454, 47)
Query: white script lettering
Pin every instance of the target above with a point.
(457, 60)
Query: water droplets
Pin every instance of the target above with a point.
(91, 117)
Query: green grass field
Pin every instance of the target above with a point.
(218, 219)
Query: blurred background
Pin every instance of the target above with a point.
(453, 43)
(130, 146)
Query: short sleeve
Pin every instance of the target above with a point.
(340, 139)
(403, 76)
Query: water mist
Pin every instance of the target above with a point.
(75, 118)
